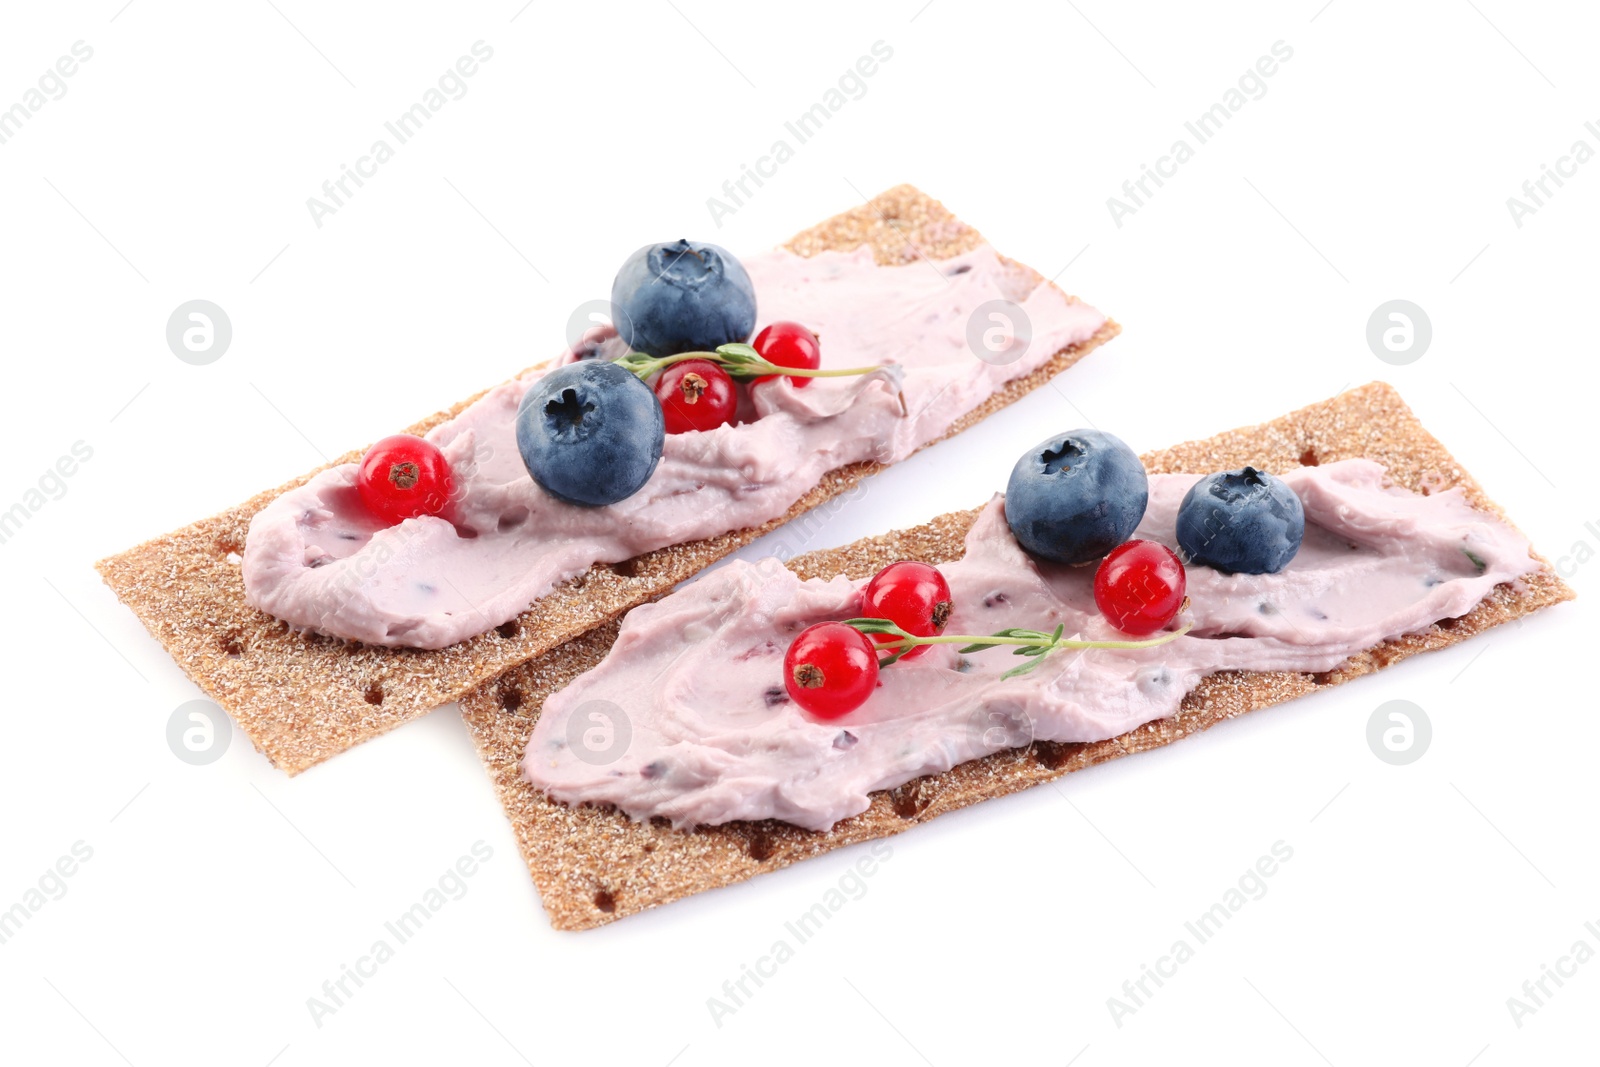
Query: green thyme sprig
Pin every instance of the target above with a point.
(742, 363)
(1034, 644)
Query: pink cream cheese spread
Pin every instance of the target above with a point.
(695, 680)
(317, 560)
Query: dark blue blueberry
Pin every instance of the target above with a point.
(590, 433)
(1241, 522)
(682, 297)
(1075, 497)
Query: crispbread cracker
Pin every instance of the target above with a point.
(302, 698)
(593, 865)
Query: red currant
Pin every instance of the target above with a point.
(696, 394)
(913, 596)
(402, 477)
(831, 669)
(788, 344)
(1139, 587)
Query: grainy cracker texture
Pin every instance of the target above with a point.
(303, 698)
(593, 866)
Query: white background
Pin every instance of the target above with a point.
(1377, 166)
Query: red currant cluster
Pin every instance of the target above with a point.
(404, 476)
(698, 394)
(831, 668)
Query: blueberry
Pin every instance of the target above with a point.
(1075, 497)
(1241, 522)
(590, 433)
(682, 297)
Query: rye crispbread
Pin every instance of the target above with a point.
(302, 698)
(593, 865)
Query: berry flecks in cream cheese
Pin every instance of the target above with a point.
(694, 674)
(316, 559)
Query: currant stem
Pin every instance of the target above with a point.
(1066, 642)
(800, 372)
(646, 367)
